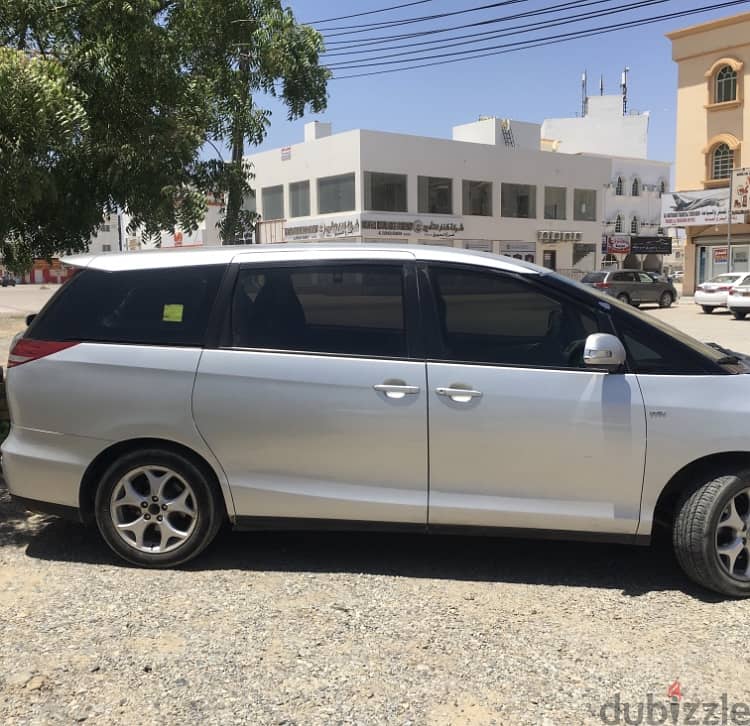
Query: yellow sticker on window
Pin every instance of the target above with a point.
(173, 313)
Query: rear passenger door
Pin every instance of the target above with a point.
(315, 402)
(648, 289)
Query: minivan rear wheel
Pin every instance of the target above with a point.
(666, 300)
(711, 534)
(156, 508)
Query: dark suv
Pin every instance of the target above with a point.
(633, 286)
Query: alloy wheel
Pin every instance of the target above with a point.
(733, 538)
(153, 509)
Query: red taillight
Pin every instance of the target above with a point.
(724, 288)
(601, 285)
(26, 350)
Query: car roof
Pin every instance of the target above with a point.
(178, 257)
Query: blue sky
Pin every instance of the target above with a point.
(529, 85)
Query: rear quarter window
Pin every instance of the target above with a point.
(153, 307)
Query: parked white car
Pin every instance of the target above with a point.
(713, 294)
(738, 300)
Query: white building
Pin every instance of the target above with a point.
(113, 234)
(632, 199)
(490, 187)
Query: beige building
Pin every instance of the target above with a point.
(713, 72)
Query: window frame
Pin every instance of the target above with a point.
(564, 206)
(414, 335)
(720, 83)
(347, 174)
(712, 161)
(299, 185)
(619, 187)
(367, 186)
(532, 207)
(636, 188)
(274, 188)
(433, 340)
(426, 179)
(577, 216)
(466, 190)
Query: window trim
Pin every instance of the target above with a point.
(319, 179)
(427, 179)
(430, 320)
(300, 183)
(414, 334)
(273, 187)
(468, 213)
(367, 182)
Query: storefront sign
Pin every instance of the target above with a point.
(651, 245)
(741, 191)
(618, 245)
(442, 229)
(721, 255)
(689, 209)
(322, 230)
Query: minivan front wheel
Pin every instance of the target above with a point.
(156, 508)
(711, 534)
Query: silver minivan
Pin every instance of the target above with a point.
(161, 394)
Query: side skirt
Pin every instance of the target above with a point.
(259, 524)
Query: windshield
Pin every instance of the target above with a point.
(590, 277)
(606, 301)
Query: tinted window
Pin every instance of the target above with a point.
(591, 277)
(491, 318)
(299, 199)
(649, 352)
(272, 199)
(623, 277)
(518, 200)
(158, 307)
(643, 277)
(554, 202)
(477, 198)
(354, 309)
(584, 205)
(385, 192)
(336, 194)
(435, 195)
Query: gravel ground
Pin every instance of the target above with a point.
(352, 629)
(357, 629)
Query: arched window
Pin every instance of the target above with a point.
(726, 85)
(618, 224)
(662, 188)
(619, 187)
(636, 188)
(722, 161)
(635, 225)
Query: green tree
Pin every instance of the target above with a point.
(107, 104)
(240, 50)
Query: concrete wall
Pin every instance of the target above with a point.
(604, 130)
(363, 151)
(699, 51)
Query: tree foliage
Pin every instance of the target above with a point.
(108, 103)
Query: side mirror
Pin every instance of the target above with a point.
(30, 319)
(604, 351)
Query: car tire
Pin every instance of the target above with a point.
(710, 534)
(156, 508)
(666, 300)
(739, 314)
(624, 297)
(708, 309)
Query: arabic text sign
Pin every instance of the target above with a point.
(702, 207)
(741, 191)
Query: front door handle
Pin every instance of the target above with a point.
(459, 395)
(396, 390)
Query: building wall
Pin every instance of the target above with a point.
(603, 130)
(700, 51)
(373, 151)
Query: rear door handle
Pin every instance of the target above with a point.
(396, 390)
(459, 395)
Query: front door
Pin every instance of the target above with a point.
(313, 405)
(522, 435)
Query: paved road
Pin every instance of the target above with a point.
(24, 299)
